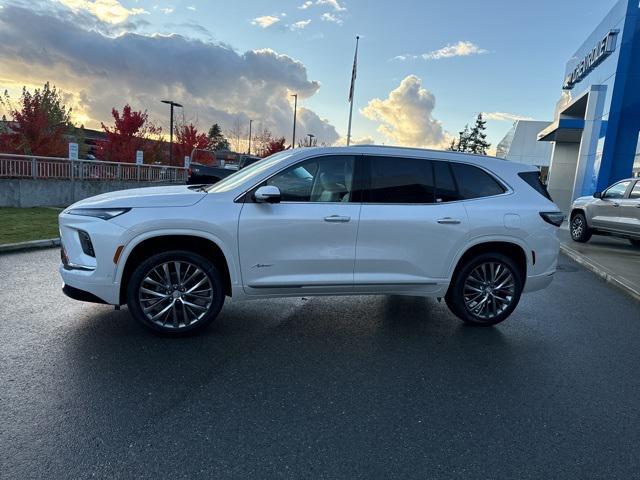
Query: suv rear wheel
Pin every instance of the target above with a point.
(175, 292)
(580, 232)
(485, 290)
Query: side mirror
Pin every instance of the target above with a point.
(597, 195)
(267, 194)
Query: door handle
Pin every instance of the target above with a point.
(337, 219)
(448, 221)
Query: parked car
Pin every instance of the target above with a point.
(200, 174)
(616, 211)
(474, 230)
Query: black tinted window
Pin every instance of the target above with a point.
(474, 182)
(400, 180)
(635, 193)
(446, 190)
(533, 179)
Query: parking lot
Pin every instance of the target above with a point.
(377, 387)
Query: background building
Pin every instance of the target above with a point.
(595, 134)
(521, 145)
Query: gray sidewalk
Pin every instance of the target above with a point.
(613, 259)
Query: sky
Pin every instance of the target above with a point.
(425, 68)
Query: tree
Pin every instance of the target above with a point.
(38, 123)
(477, 140)
(463, 140)
(308, 142)
(453, 147)
(217, 140)
(236, 135)
(186, 139)
(132, 131)
(274, 146)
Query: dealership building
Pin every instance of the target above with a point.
(594, 137)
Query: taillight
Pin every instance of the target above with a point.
(554, 218)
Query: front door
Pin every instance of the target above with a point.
(630, 212)
(306, 243)
(606, 210)
(408, 228)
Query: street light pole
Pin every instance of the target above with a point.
(311, 137)
(295, 111)
(172, 104)
(250, 122)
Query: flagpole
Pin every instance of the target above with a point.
(353, 89)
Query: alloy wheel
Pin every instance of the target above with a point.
(489, 290)
(175, 295)
(577, 227)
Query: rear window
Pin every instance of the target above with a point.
(473, 182)
(533, 179)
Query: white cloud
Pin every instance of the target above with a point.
(306, 5)
(109, 11)
(406, 116)
(504, 117)
(265, 21)
(330, 17)
(332, 3)
(192, 8)
(459, 49)
(302, 24)
(167, 10)
(109, 71)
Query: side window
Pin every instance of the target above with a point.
(322, 179)
(635, 193)
(400, 180)
(616, 191)
(446, 189)
(473, 182)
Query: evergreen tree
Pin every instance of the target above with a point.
(477, 139)
(463, 140)
(217, 141)
(453, 147)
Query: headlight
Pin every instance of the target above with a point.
(103, 213)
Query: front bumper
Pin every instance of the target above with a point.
(80, 295)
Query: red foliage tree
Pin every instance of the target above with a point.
(273, 146)
(38, 123)
(132, 131)
(186, 139)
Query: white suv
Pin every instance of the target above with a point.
(364, 220)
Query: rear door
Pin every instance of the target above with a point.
(410, 223)
(606, 211)
(630, 211)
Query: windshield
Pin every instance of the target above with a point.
(248, 173)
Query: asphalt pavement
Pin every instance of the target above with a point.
(350, 387)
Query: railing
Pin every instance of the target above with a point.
(27, 166)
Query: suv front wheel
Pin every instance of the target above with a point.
(175, 292)
(485, 290)
(580, 232)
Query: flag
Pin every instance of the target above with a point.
(354, 72)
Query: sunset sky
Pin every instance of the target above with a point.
(425, 67)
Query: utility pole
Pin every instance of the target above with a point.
(352, 89)
(295, 111)
(172, 104)
(250, 122)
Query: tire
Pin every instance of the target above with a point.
(192, 301)
(635, 243)
(469, 286)
(578, 228)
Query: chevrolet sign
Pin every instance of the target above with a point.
(602, 50)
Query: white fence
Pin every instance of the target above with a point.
(26, 166)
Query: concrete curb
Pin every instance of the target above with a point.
(33, 244)
(593, 266)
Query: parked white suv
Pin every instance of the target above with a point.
(366, 220)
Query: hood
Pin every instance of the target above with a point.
(173, 196)
(581, 200)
